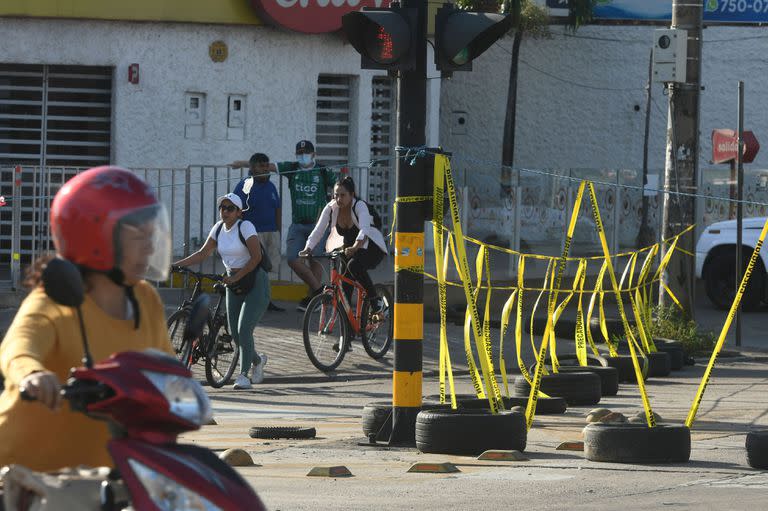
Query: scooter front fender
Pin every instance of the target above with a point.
(194, 468)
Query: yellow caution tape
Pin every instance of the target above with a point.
(726, 326)
(441, 262)
(604, 242)
(530, 410)
(411, 199)
(506, 311)
(579, 335)
(491, 386)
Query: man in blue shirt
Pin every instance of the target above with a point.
(262, 208)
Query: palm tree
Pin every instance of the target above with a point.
(532, 20)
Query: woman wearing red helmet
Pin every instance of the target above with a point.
(109, 223)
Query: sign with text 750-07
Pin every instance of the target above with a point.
(715, 11)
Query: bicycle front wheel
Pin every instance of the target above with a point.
(326, 333)
(377, 326)
(176, 324)
(223, 355)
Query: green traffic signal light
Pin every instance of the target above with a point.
(462, 36)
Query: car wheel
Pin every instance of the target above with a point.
(720, 282)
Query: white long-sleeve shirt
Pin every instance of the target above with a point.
(361, 217)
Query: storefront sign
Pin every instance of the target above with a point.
(715, 11)
(310, 16)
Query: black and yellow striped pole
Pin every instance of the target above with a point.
(411, 172)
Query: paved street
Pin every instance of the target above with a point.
(294, 393)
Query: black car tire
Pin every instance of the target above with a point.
(578, 388)
(637, 443)
(469, 432)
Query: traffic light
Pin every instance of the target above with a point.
(385, 38)
(461, 36)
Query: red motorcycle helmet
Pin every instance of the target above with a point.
(88, 210)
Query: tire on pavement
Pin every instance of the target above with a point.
(757, 449)
(570, 359)
(378, 413)
(577, 388)
(659, 363)
(544, 405)
(469, 432)
(614, 326)
(609, 377)
(273, 432)
(675, 350)
(623, 363)
(637, 443)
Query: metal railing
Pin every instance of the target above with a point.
(188, 193)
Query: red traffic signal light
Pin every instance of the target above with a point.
(385, 38)
(462, 36)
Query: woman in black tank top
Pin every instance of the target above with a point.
(362, 259)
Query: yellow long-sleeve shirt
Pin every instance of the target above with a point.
(45, 335)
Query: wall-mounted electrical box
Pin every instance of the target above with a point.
(236, 117)
(670, 55)
(194, 115)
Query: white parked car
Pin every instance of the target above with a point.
(716, 262)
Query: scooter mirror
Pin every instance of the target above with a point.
(63, 283)
(198, 316)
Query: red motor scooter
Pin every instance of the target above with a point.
(148, 398)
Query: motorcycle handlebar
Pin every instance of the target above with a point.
(69, 391)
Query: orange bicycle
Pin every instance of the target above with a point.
(332, 320)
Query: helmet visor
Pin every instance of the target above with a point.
(143, 244)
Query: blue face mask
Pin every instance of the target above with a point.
(305, 160)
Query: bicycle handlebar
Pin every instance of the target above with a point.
(200, 276)
(326, 255)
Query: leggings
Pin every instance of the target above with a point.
(363, 260)
(243, 313)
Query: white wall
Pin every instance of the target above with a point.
(564, 122)
(277, 70)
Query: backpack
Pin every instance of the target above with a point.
(265, 263)
(377, 223)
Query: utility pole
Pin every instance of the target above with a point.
(395, 39)
(682, 159)
(409, 240)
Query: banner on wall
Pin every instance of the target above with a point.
(715, 11)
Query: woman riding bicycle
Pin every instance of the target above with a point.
(248, 291)
(351, 227)
(108, 222)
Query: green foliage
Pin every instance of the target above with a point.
(580, 13)
(672, 323)
(530, 17)
(534, 20)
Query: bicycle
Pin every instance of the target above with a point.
(331, 321)
(216, 346)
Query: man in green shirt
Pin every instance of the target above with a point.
(309, 183)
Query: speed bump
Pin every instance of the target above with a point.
(571, 446)
(498, 455)
(338, 471)
(433, 468)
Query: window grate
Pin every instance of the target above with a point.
(55, 115)
(332, 124)
(383, 126)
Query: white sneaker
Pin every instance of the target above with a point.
(242, 382)
(257, 371)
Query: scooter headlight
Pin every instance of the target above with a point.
(167, 494)
(185, 396)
